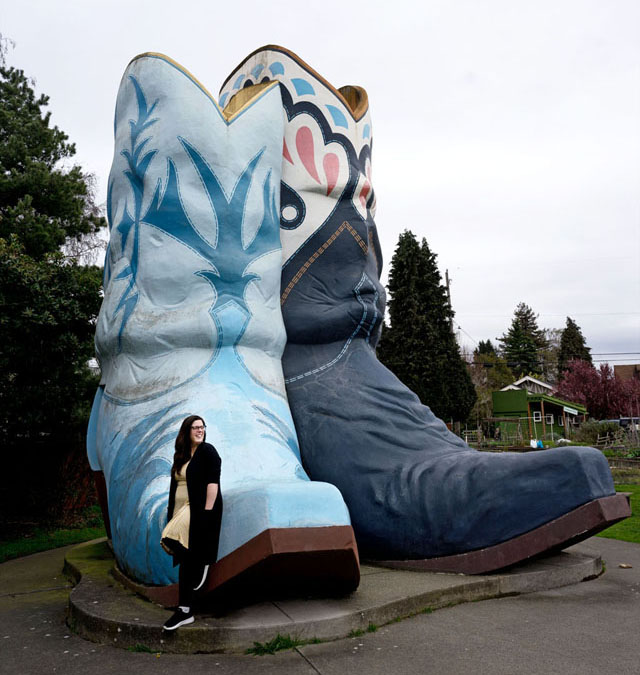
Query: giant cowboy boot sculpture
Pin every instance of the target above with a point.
(191, 323)
(414, 489)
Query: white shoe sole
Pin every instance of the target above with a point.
(184, 622)
(204, 578)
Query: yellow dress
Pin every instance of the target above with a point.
(178, 527)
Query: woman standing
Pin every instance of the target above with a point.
(194, 514)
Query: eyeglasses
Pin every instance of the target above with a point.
(199, 428)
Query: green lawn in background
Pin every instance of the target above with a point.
(19, 538)
(43, 540)
(629, 529)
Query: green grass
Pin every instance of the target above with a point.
(629, 529)
(279, 643)
(18, 538)
(43, 540)
(140, 648)
(358, 632)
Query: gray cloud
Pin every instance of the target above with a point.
(506, 133)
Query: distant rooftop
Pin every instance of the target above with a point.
(530, 384)
(627, 372)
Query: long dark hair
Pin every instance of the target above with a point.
(183, 443)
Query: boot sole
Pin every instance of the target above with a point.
(322, 558)
(573, 527)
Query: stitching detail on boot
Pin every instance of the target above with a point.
(300, 273)
(319, 369)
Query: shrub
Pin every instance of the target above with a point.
(589, 431)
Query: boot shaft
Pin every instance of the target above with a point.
(331, 253)
(193, 207)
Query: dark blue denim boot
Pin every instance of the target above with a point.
(414, 489)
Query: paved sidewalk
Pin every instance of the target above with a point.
(584, 628)
(104, 611)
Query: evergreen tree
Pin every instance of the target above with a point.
(40, 202)
(47, 334)
(523, 343)
(419, 345)
(484, 348)
(528, 321)
(573, 347)
(48, 302)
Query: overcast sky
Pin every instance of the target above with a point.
(506, 132)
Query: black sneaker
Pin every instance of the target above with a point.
(205, 571)
(179, 618)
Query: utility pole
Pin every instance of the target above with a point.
(446, 277)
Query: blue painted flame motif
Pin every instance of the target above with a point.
(228, 256)
(138, 165)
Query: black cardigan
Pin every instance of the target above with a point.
(204, 526)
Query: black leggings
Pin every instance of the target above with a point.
(189, 575)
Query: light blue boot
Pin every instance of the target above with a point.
(191, 324)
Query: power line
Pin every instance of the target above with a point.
(614, 353)
(467, 334)
(548, 362)
(482, 314)
(634, 355)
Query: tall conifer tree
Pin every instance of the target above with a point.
(42, 204)
(485, 348)
(49, 303)
(524, 342)
(419, 346)
(573, 346)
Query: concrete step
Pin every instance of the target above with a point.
(104, 611)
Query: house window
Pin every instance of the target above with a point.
(537, 416)
(560, 422)
(548, 419)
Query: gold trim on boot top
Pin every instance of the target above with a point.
(235, 107)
